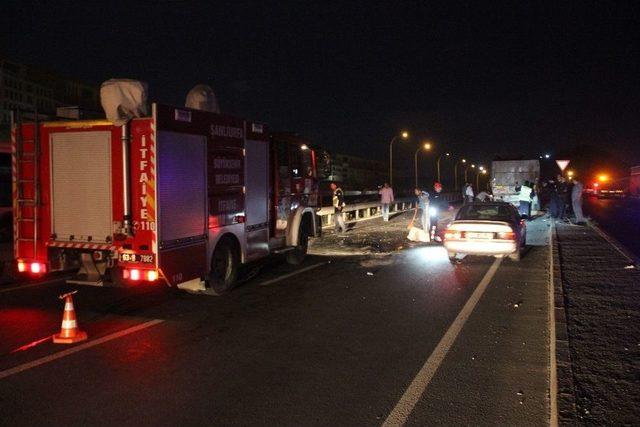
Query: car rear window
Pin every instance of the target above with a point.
(485, 213)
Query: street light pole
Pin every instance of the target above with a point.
(427, 147)
(404, 135)
(466, 178)
(438, 164)
(455, 172)
(480, 171)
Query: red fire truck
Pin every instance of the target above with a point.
(183, 197)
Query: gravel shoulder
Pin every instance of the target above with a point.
(602, 301)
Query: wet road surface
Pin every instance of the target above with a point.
(342, 343)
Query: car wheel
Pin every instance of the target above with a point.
(517, 255)
(224, 267)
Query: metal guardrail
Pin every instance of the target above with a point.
(369, 210)
(364, 211)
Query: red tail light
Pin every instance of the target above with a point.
(152, 275)
(506, 235)
(22, 267)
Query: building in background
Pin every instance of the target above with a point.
(33, 89)
(357, 173)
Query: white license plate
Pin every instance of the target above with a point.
(474, 235)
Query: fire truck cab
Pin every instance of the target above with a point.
(183, 197)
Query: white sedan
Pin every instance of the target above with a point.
(480, 228)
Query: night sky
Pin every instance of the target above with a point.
(508, 79)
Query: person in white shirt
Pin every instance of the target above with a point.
(468, 193)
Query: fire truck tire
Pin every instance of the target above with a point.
(296, 255)
(224, 266)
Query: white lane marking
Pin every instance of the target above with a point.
(414, 392)
(64, 353)
(286, 276)
(610, 240)
(553, 372)
(48, 282)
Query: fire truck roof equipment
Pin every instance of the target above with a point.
(123, 99)
(201, 97)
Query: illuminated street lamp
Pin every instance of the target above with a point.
(570, 174)
(403, 135)
(455, 172)
(427, 147)
(603, 178)
(438, 163)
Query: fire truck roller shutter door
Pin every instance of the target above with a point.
(182, 205)
(81, 186)
(257, 199)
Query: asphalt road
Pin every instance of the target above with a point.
(619, 217)
(352, 340)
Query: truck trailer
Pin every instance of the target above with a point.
(507, 175)
(180, 196)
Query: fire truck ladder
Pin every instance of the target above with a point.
(27, 186)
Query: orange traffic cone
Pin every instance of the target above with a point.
(69, 332)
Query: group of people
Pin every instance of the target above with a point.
(429, 205)
(564, 196)
(428, 211)
(561, 194)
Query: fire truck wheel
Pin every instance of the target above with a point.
(296, 255)
(224, 266)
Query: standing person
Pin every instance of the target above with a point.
(386, 198)
(468, 193)
(537, 192)
(576, 201)
(437, 205)
(554, 199)
(524, 196)
(422, 210)
(338, 207)
(563, 197)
